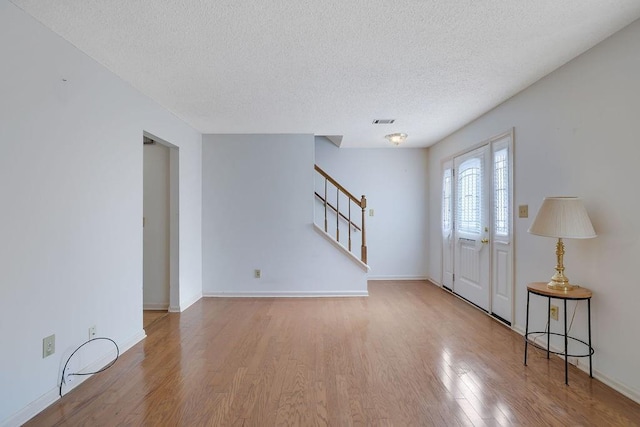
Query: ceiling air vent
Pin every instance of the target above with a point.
(384, 121)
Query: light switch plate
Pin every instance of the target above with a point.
(523, 211)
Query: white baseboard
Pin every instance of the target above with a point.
(616, 385)
(103, 360)
(133, 341)
(398, 278)
(190, 301)
(40, 404)
(584, 367)
(434, 281)
(32, 409)
(518, 329)
(286, 294)
(155, 306)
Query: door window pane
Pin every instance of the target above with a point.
(469, 194)
(501, 188)
(446, 200)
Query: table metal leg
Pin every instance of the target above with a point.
(526, 331)
(548, 325)
(538, 289)
(566, 345)
(589, 321)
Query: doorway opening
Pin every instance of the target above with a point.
(160, 229)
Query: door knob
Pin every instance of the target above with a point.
(484, 241)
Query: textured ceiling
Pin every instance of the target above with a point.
(330, 67)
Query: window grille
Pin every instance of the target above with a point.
(446, 200)
(501, 189)
(469, 196)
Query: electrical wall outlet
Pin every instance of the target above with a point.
(554, 312)
(66, 375)
(257, 274)
(92, 332)
(48, 346)
(371, 212)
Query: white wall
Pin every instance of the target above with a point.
(394, 180)
(258, 214)
(155, 295)
(71, 184)
(576, 133)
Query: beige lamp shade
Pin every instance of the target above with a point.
(562, 217)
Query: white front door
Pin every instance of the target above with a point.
(471, 235)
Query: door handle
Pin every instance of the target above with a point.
(484, 241)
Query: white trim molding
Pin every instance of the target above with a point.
(287, 294)
(189, 301)
(32, 409)
(50, 397)
(104, 360)
(434, 281)
(155, 306)
(597, 375)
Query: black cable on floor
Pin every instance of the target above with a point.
(62, 380)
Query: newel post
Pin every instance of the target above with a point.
(363, 248)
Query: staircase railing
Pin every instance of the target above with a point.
(340, 214)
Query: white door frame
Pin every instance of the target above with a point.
(446, 229)
(174, 230)
(509, 257)
(502, 241)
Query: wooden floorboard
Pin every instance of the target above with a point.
(149, 317)
(409, 354)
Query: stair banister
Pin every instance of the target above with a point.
(362, 203)
(363, 248)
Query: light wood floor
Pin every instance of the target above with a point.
(410, 354)
(151, 316)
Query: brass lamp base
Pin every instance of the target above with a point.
(559, 281)
(561, 286)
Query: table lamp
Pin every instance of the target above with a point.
(562, 218)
